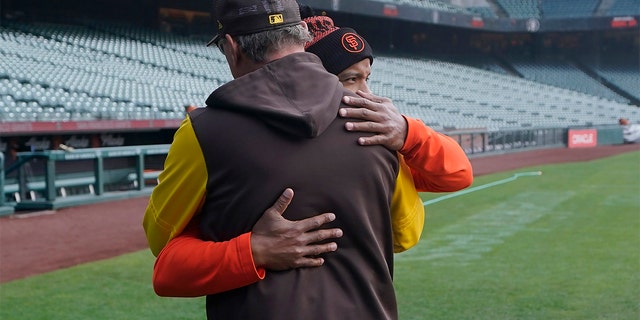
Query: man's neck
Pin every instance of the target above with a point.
(253, 66)
(283, 52)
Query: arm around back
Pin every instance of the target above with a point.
(191, 267)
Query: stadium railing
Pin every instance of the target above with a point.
(5, 209)
(98, 180)
(53, 189)
(483, 142)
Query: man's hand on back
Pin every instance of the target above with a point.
(281, 244)
(379, 116)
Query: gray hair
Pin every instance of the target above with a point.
(257, 45)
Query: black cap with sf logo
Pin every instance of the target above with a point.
(338, 48)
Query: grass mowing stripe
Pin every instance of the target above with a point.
(479, 233)
(580, 260)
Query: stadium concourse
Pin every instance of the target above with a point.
(40, 242)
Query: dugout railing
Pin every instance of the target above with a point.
(53, 179)
(5, 209)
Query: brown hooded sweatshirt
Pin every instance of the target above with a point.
(278, 127)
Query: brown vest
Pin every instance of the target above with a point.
(249, 165)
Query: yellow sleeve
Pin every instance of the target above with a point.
(407, 210)
(180, 192)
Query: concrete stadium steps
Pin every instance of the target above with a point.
(494, 100)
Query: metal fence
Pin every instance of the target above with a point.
(482, 142)
(55, 178)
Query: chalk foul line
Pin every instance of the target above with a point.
(484, 186)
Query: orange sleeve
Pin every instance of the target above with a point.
(437, 162)
(190, 267)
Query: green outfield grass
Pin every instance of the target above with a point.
(563, 245)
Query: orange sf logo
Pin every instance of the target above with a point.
(352, 42)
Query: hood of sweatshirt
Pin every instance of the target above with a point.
(294, 94)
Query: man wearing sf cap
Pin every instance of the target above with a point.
(263, 132)
(437, 162)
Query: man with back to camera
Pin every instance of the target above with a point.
(436, 162)
(269, 129)
(186, 268)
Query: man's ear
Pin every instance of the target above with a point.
(235, 53)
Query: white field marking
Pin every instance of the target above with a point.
(484, 186)
(480, 233)
(33, 214)
(624, 200)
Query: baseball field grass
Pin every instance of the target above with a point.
(561, 245)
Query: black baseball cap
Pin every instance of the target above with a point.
(338, 48)
(240, 17)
